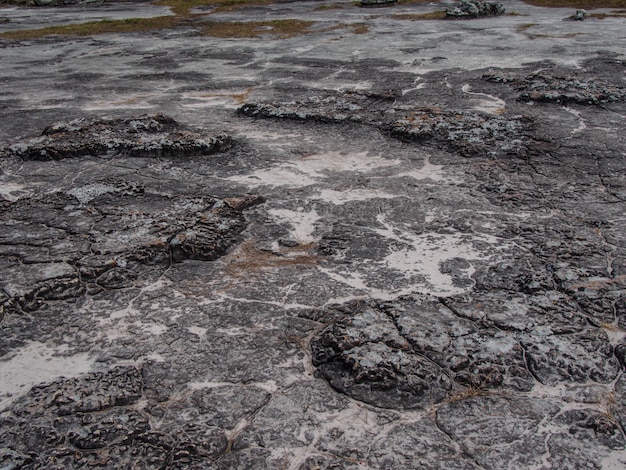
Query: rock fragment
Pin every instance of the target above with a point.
(99, 419)
(108, 234)
(475, 9)
(466, 132)
(548, 86)
(149, 136)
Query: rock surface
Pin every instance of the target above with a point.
(475, 9)
(397, 249)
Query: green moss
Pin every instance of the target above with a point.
(183, 7)
(252, 29)
(410, 2)
(96, 27)
(586, 4)
(613, 14)
(331, 6)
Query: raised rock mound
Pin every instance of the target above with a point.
(475, 9)
(420, 350)
(465, 132)
(155, 135)
(468, 133)
(107, 234)
(97, 420)
(549, 87)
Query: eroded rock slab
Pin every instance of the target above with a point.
(565, 87)
(469, 133)
(101, 419)
(109, 233)
(497, 338)
(475, 9)
(141, 136)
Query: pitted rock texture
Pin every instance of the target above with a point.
(140, 136)
(107, 234)
(369, 107)
(101, 418)
(366, 356)
(469, 133)
(475, 9)
(565, 87)
(417, 351)
(461, 312)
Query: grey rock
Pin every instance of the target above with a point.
(517, 439)
(140, 136)
(565, 87)
(580, 15)
(469, 133)
(104, 231)
(415, 445)
(475, 9)
(501, 273)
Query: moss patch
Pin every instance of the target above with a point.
(329, 6)
(252, 29)
(613, 14)
(183, 7)
(586, 4)
(96, 27)
(411, 2)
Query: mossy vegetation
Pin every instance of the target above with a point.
(329, 6)
(613, 14)
(96, 27)
(411, 2)
(252, 29)
(184, 7)
(182, 10)
(586, 4)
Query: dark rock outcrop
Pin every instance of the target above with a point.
(140, 136)
(475, 9)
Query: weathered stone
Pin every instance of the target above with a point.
(141, 136)
(475, 9)
(93, 392)
(415, 445)
(564, 87)
(469, 133)
(494, 429)
(103, 231)
(584, 356)
(500, 275)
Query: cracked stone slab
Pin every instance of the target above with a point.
(104, 232)
(498, 277)
(98, 419)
